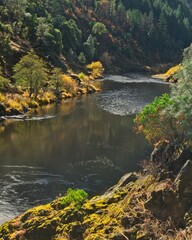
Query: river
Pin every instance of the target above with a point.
(87, 142)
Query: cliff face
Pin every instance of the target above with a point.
(153, 204)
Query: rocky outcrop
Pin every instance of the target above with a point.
(133, 209)
(2, 109)
(140, 206)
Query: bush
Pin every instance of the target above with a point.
(4, 83)
(152, 121)
(76, 197)
(12, 104)
(68, 83)
(2, 98)
(83, 77)
(96, 69)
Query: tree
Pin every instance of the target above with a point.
(169, 119)
(90, 47)
(152, 123)
(56, 80)
(31, 72)
(17, 8)
(82, 58)
(99, 29)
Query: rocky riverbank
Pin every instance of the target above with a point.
(152, 204)
(17, 102)
(170, 75)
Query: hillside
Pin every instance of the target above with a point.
(121, 34)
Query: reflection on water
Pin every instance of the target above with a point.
(86, 142)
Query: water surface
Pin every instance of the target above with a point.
(87, 142)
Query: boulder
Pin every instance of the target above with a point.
(183, 184)
(2, 109)
(164, 204)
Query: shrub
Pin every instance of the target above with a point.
(83, 77)
(2, 98)
(76, 197)
(4, 83)
(96, 69)
(12, 104)
(152, 121)
(68, 83)
(45, 97)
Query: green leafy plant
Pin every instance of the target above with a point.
(4, 83)
(152, 121)
(76, 197)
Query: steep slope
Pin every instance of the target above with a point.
(141, 206)
(121, 34)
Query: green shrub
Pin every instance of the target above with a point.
(76, 197)
(4, 83)
(154, 123)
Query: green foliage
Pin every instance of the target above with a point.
(82, 58)
(76, 197)
(56, 80)
(152, 123)
(170, 118)
(4, 84)
(131, 29)
(90, 47)
(99, 28)
(31, 72)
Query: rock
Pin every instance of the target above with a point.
(127, 178)
(164, 204)
(184, 176)
(77, 232)
(170, 157)
(16, 117)
(2, 109)
(125, 222)
(163, 153)
(76, 77)
(182, 156)
(119, 236)
(13, 111)
(183, 183)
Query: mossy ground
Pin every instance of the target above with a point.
(118, 214)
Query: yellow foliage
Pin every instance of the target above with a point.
(174, 70)
(69, 83)
(33, 104)
(2, 98)
(83, 77)
(14, 105)
(45, 97)
(169, 73)
(96, 69)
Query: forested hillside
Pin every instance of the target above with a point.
(127, 34)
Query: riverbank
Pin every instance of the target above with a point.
(16, 101)
(151, 204)
(170, 74)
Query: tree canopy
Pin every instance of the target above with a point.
(133, 31)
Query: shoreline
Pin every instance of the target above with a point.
(139, 204)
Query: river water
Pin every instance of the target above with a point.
(87, 142)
